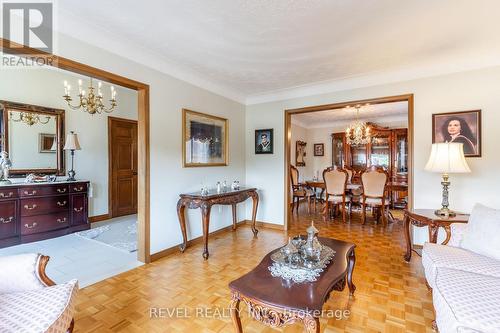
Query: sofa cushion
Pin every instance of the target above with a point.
(483, 232)
(19, 273)
(466, 302)
(435, 256)
(48, 309)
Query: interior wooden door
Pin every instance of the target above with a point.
(122, 137)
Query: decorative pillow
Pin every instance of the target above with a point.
(483, 232)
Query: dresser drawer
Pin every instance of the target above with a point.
(79, 209)
(8, 225)
(36, 191)
(42, 223)
(78, 187)
(38, 206)
(8, 193)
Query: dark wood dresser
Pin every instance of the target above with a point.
(32, 212)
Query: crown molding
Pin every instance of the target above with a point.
(375, 79)
(117, 45)
(382, 121)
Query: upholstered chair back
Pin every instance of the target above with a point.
(335, 181)
(294, 175)
(374, 181)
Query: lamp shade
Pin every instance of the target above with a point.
(72, 142)
(447, 157)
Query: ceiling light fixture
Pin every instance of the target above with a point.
(358, 132)
(29, 118)
(92, 102)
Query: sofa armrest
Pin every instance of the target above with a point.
(457, 233)
(23, 272)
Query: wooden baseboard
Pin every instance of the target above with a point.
(198, 240)
(265, 225)
(194, 241)
(98, 218)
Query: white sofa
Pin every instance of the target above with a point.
(465, 285)
(29, 301)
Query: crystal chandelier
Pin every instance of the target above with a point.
(358, 132)
(29, 118)
(90, 102)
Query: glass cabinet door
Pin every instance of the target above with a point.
(337, 150)
(380, 153)
(358, 157)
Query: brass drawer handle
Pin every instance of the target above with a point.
(62, 203)
(78, 209)
(78, 189)
(61, 220)
(30, 193)
(7, 220)
(61, 190)
(3, 195)
(31, 226)
(30, 208)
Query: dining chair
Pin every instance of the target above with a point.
(374, 181)
(300, 191)
(335, 179)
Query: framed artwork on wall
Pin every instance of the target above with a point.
(319, 149)
(462, 127)
(264, 141)
(47, 143)
(204, 139)
(300, 153)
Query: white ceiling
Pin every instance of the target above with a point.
(252, 50)
(381, 114)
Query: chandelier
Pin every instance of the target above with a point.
(29, 118)
(358, 132)
(90, 102)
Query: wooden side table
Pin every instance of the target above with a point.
(426, 217)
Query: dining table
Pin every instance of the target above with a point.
(390, 186)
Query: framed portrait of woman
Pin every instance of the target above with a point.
(462, 127)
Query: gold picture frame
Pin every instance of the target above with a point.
(204, 140)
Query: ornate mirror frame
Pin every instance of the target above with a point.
(5, 107)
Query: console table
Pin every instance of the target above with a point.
(35, 211)
(276, 302)
(427, 218)
(205, 202)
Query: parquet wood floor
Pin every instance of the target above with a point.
(391, 295)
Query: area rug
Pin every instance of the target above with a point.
(121, 235)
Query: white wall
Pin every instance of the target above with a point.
(44, 87)
(471, 90)
(168, 178)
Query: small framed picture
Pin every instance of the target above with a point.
(462, 127)
(264, 141)
(319, 149)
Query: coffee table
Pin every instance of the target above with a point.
(276, 302)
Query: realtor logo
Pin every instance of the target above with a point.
(28, 25)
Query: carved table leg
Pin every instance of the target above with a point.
(311, 324)
(234, 308)
(406, 224)
(350, 270)
(205, 215)
(447, 228)
(255, 199)
(234, 216)
(182, 221)
(433, 233)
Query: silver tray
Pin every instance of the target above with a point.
(326, 255)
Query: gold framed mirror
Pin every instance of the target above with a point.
(33, 136)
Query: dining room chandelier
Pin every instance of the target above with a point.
(358, 132)
(91, 101)
(29, 118)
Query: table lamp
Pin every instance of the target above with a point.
(72, 144)
(447, 158)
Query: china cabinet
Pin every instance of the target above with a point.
(387, 148)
